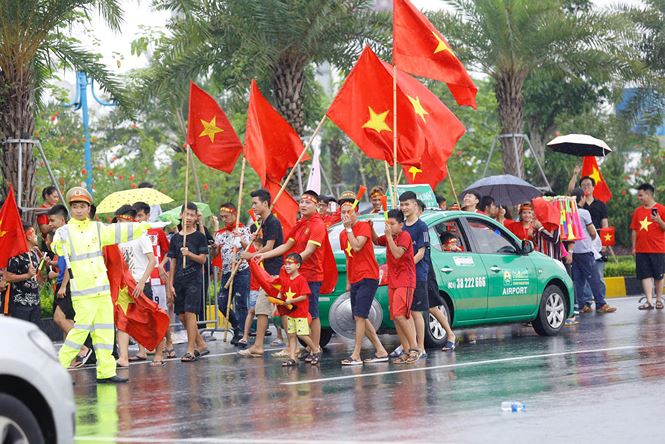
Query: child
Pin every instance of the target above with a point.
(21, 273)
(401, 282)
(295, 291)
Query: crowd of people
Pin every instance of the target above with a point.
(171, 268)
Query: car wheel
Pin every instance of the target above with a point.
(17, 423)
(435, 335)
(552, 312)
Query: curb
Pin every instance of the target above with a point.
(618, 287)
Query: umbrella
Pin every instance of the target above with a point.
(505, 189)
(173, 215)
(129, 197)
(579, 145)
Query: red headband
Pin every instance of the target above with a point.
(227, 210)
(290, 260)
(125, 217)
(310, 198)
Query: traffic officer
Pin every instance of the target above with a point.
(81, 241)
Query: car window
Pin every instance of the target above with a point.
(333, 233)
(448, 237)
(490, 238)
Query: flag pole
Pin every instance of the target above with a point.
(184, 206)
(230, 289)
(452, 186)
(390, 183)
(286, 181)
(394, 199)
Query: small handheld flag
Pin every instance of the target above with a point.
(607, 237)
(252, 214)
(361, 193)
(384, 204)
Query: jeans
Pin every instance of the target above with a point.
(238, 314)
(585, 271)
(600, 269)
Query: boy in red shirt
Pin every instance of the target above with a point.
(295, 291)
(648, 240)
(401, 282)
(362, 278)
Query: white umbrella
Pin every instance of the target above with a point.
(579, 145)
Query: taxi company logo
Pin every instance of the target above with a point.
(516, 278)
(463, 261)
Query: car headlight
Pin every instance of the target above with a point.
(43, 343)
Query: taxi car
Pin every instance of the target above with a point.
(493, 278)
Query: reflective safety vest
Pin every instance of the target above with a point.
(81, 243)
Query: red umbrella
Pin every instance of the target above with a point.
(548, 214)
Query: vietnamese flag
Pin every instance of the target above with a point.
(141, 318)
(363, 109)
(419, 48)
(209, 132)
(590, 168)
(12, 235)
(607, 238)
(285, 209)
(272, 146)
(547, 213)
(330, 273)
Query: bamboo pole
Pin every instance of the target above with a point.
(390, 184)
(394, 199)
(452, 186)
(184, 205)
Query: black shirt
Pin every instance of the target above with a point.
(271, 230)
(197, 244)
(598, 211)
(24, 292)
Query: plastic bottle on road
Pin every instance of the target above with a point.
(513, 406)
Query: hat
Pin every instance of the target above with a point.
(347, 196)
(78, 194)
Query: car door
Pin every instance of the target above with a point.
(511, 276)
(461, 274)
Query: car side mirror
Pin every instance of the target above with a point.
(527, 247)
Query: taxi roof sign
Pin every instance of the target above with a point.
(423, 192)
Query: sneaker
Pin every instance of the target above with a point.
(587, 309)
(399, 351)
(605, 308)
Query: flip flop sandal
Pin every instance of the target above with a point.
(170, 354)
(659, 305)
(249, 354)
(351, 361)
(188, 357)
(137, 358)
(645, 306)
(316, 358)
(376, 359)
(157, 364)
(303, 355)
(449, 346)
(412, 357)
(198, 354)
(401, 359)
(289, 363)
(281, 354)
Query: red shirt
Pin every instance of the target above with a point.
(293, 288)
(332, 219)
(311, 230)
(359, 264)
(42, 219)
(160, 246)
(402, 271)
(650, 237)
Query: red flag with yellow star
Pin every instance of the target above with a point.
(607, 238)
(12, 236)
(209, 132)
(286, 208)
(363, 109)
(590, 168)
(141, 318)
(419, 48)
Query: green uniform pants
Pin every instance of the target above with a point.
(94, 315)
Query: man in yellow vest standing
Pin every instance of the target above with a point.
(81, 242)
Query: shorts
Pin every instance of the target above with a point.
(65, 303)
(159, 295)
(299, 326)
(650, 265)
(263, 306)
(30, 313)
(362, 296)
(251, 301)
(315, 288)
(188, 297)
(420, 297)
(399, 301)
(433, 294)
(147, 291)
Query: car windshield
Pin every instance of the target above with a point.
(333, 233)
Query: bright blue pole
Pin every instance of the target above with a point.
(82, 83)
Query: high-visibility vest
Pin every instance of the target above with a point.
(81, 243)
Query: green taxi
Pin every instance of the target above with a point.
(494, 279)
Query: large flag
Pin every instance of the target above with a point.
(12, 235)
(363, 109)
(141, 318)
(286, 208)
(590, 168)
(419, 48)
(209, 132)
(272, 146)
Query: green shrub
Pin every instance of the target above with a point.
(46, 299)
(624, 267)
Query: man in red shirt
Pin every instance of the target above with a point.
(375, 196)
(401, 283)
(51, 198)
(362, 272)
(648, 240)
(307, 239)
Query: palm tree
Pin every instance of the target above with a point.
(511, 39)
(33, 44)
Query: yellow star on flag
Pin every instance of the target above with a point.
(644, 224)
(210, 129)
(608, 237)
(442, 46)
(418, 107)
(348, 249)
(595, 175)
(377, 122)
(2, 233)
(289, 294)
(414, 171)
(124, 299)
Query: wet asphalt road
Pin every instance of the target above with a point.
(600, 381)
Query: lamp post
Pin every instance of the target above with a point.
(80, 102)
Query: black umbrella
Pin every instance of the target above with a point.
(579, 145)
(505, 189)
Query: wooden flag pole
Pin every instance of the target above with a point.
(390, 183)
(286, 181)
(394, 199)
(230, 289)
(184, 206)
(452, 186)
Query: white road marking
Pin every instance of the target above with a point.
(462, 364)
(226, 440)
